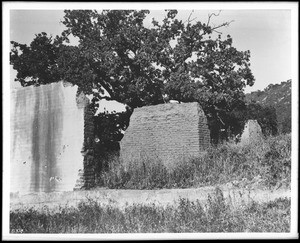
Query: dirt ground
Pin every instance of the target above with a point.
(236, 195)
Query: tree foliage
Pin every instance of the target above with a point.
(118, 58)
(286, 125)
(109, 127)
(265, 116)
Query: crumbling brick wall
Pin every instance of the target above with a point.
(86, 178)
(89, 158)
(167, 132)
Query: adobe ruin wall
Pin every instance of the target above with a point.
(49, 125)
(168, 132)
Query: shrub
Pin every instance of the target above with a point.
(277, 160)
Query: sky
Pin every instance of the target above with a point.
(265, 30)
(266, 33)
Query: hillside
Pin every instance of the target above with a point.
(279, 96)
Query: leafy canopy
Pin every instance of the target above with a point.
(118, 58)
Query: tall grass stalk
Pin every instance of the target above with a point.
(185, 216)
(269, 160)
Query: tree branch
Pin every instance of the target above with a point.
(222, 25)
(188, 20)
(210, 15)
(190, 16)
(106, 87)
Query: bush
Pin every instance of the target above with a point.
(277, 160)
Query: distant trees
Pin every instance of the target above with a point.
(118, 58)
(278, 97)
(286, 125)
(266, 117)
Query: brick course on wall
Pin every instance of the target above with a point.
(86, 178)
(167, 132)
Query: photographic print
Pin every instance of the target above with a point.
(150, 121)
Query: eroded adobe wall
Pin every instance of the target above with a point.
(167, 132)
(47, 135)
(252, 133)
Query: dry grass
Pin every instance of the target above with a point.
(187, 216)
(269, 160)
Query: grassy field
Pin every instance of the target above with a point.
(269, 161)
(188, 216)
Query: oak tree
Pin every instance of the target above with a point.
(119, 58)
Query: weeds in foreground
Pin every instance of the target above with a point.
(269, 160)
(185, 216)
